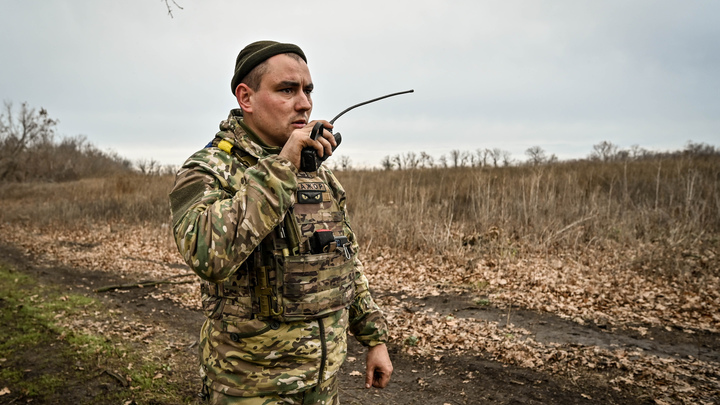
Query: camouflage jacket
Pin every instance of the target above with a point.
(222, 210)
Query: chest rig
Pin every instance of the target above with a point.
(304, 269)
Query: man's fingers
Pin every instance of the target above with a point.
(322, 144)
(373, 375)
(379, 367)
(376, 378)
(327, 142)
(380, 379)
(328, 136)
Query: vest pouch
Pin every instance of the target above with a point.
(229, 298)
(316, 285)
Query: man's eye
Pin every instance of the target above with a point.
(286, 91)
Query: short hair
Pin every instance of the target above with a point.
(255, 76)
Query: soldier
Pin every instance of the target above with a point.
(281, 280)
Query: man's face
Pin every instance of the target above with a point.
(282, 102)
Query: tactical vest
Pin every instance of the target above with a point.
(294, 274)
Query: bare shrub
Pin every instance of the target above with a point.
(29, 150)
(29, 130)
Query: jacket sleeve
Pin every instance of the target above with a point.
(221, 211)
(366, 321)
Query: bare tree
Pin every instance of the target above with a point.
(536, 155)
(604, 151)
(426, 160)
(482, 155)
(169, 170)
(699, 149)
(465, 159)
(496, 154)
(474, 161)
(637, 152)
(410, 160)
(397, 161)
(30, 130)
(506, 158)
(443, 161)
(149, 166)
(386, 163)
(455, 157)
(345, 162)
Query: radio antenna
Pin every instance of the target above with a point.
(368, 102)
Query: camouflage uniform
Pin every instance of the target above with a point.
(228, 205)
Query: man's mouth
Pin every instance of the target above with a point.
(299, 123)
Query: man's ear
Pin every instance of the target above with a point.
(243, 94)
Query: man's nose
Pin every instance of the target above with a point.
(303, 102)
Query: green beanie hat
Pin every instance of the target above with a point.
(257, 53)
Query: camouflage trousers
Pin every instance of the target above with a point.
(325, 393)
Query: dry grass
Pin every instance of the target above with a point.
(671, 204)
(125, 198)
(667, 208)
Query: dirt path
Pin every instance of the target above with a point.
(547, 328)
(441, 379)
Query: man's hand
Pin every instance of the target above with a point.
(300, 139)
(379, 367)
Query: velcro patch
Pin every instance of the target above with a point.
(309, 197)
(316, 186)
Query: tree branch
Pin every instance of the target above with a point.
(169, 8)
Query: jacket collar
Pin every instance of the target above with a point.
(244, 137)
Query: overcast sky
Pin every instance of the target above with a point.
(562, 75)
